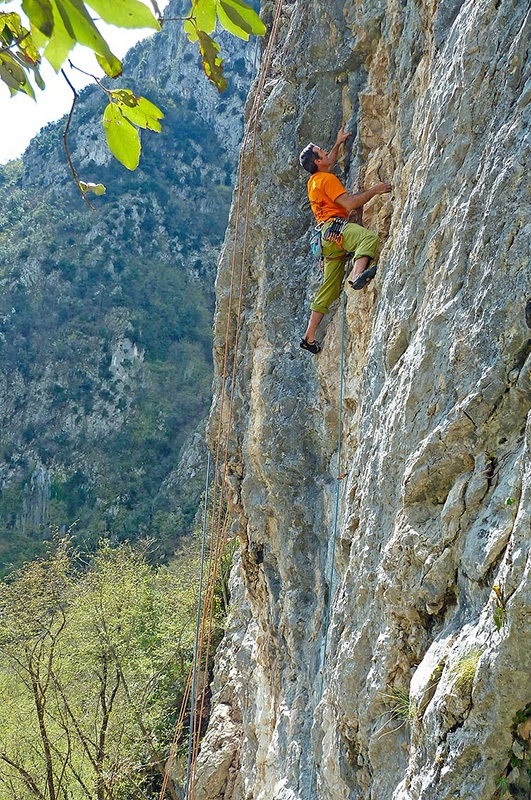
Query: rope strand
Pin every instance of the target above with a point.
(220, 515)
(334, 534)
(197, 628)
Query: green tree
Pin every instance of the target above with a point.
(92, 664)
(33, 621)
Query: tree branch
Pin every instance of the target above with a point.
(89, 75)
(28, 780)
(157, 759)
(83, 738)
(65, 144)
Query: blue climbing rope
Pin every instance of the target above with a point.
(197, 627)
(336, 518)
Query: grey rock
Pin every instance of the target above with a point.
(436, 435)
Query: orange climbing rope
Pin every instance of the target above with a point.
(220, 515)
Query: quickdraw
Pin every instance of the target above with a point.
(334, 232)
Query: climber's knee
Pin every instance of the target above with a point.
(368, 246)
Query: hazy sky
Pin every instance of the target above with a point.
(21, 117)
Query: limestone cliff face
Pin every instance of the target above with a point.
(427, 682)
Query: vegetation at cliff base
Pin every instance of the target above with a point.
(94, 657)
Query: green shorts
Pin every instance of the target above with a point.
(356, 240)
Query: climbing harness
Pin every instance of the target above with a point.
(340, 476)
(329, 233)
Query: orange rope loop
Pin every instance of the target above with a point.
(220, 515)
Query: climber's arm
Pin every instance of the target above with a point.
(340, 138)
(352, 201)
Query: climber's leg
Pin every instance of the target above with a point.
(359, 266)
(315, 319)
(334, 270)
(364, 244)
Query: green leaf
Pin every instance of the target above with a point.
(204, 14)
(258, 28)
(191, 30)
(138, 110)
(28, 89)
(149, 108)
(137, 117)
(62, 11)
(39, 39)
(80, 26)
(12, 73)
(95, 188)
(125, 13)
(29, 52)
(239, 14)
(212, 63)
(38, 78)
(34, 67)
(499, 618)
(125, 96)
(122, 137)
(40, 14)
(60, 43)
(232, 21)
(25, 85)
(112, 67)
(11, 27)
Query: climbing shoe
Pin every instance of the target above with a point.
(312, 347)
(363, 279)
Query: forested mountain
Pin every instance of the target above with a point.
(105, 315)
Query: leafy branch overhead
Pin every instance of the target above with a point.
(56, 26)
(121, 120)
(235, 16)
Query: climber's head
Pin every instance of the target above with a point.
(308, 157)
(314, 159)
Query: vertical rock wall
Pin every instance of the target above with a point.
(428, 671)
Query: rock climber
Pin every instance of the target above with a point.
(331, 205)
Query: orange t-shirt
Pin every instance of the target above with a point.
(323, 189)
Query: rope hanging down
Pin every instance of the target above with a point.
(220, 516)
(192, 677)
(195, 665)
(219, 529)
(334, 534)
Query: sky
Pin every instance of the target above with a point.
(21, 118)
